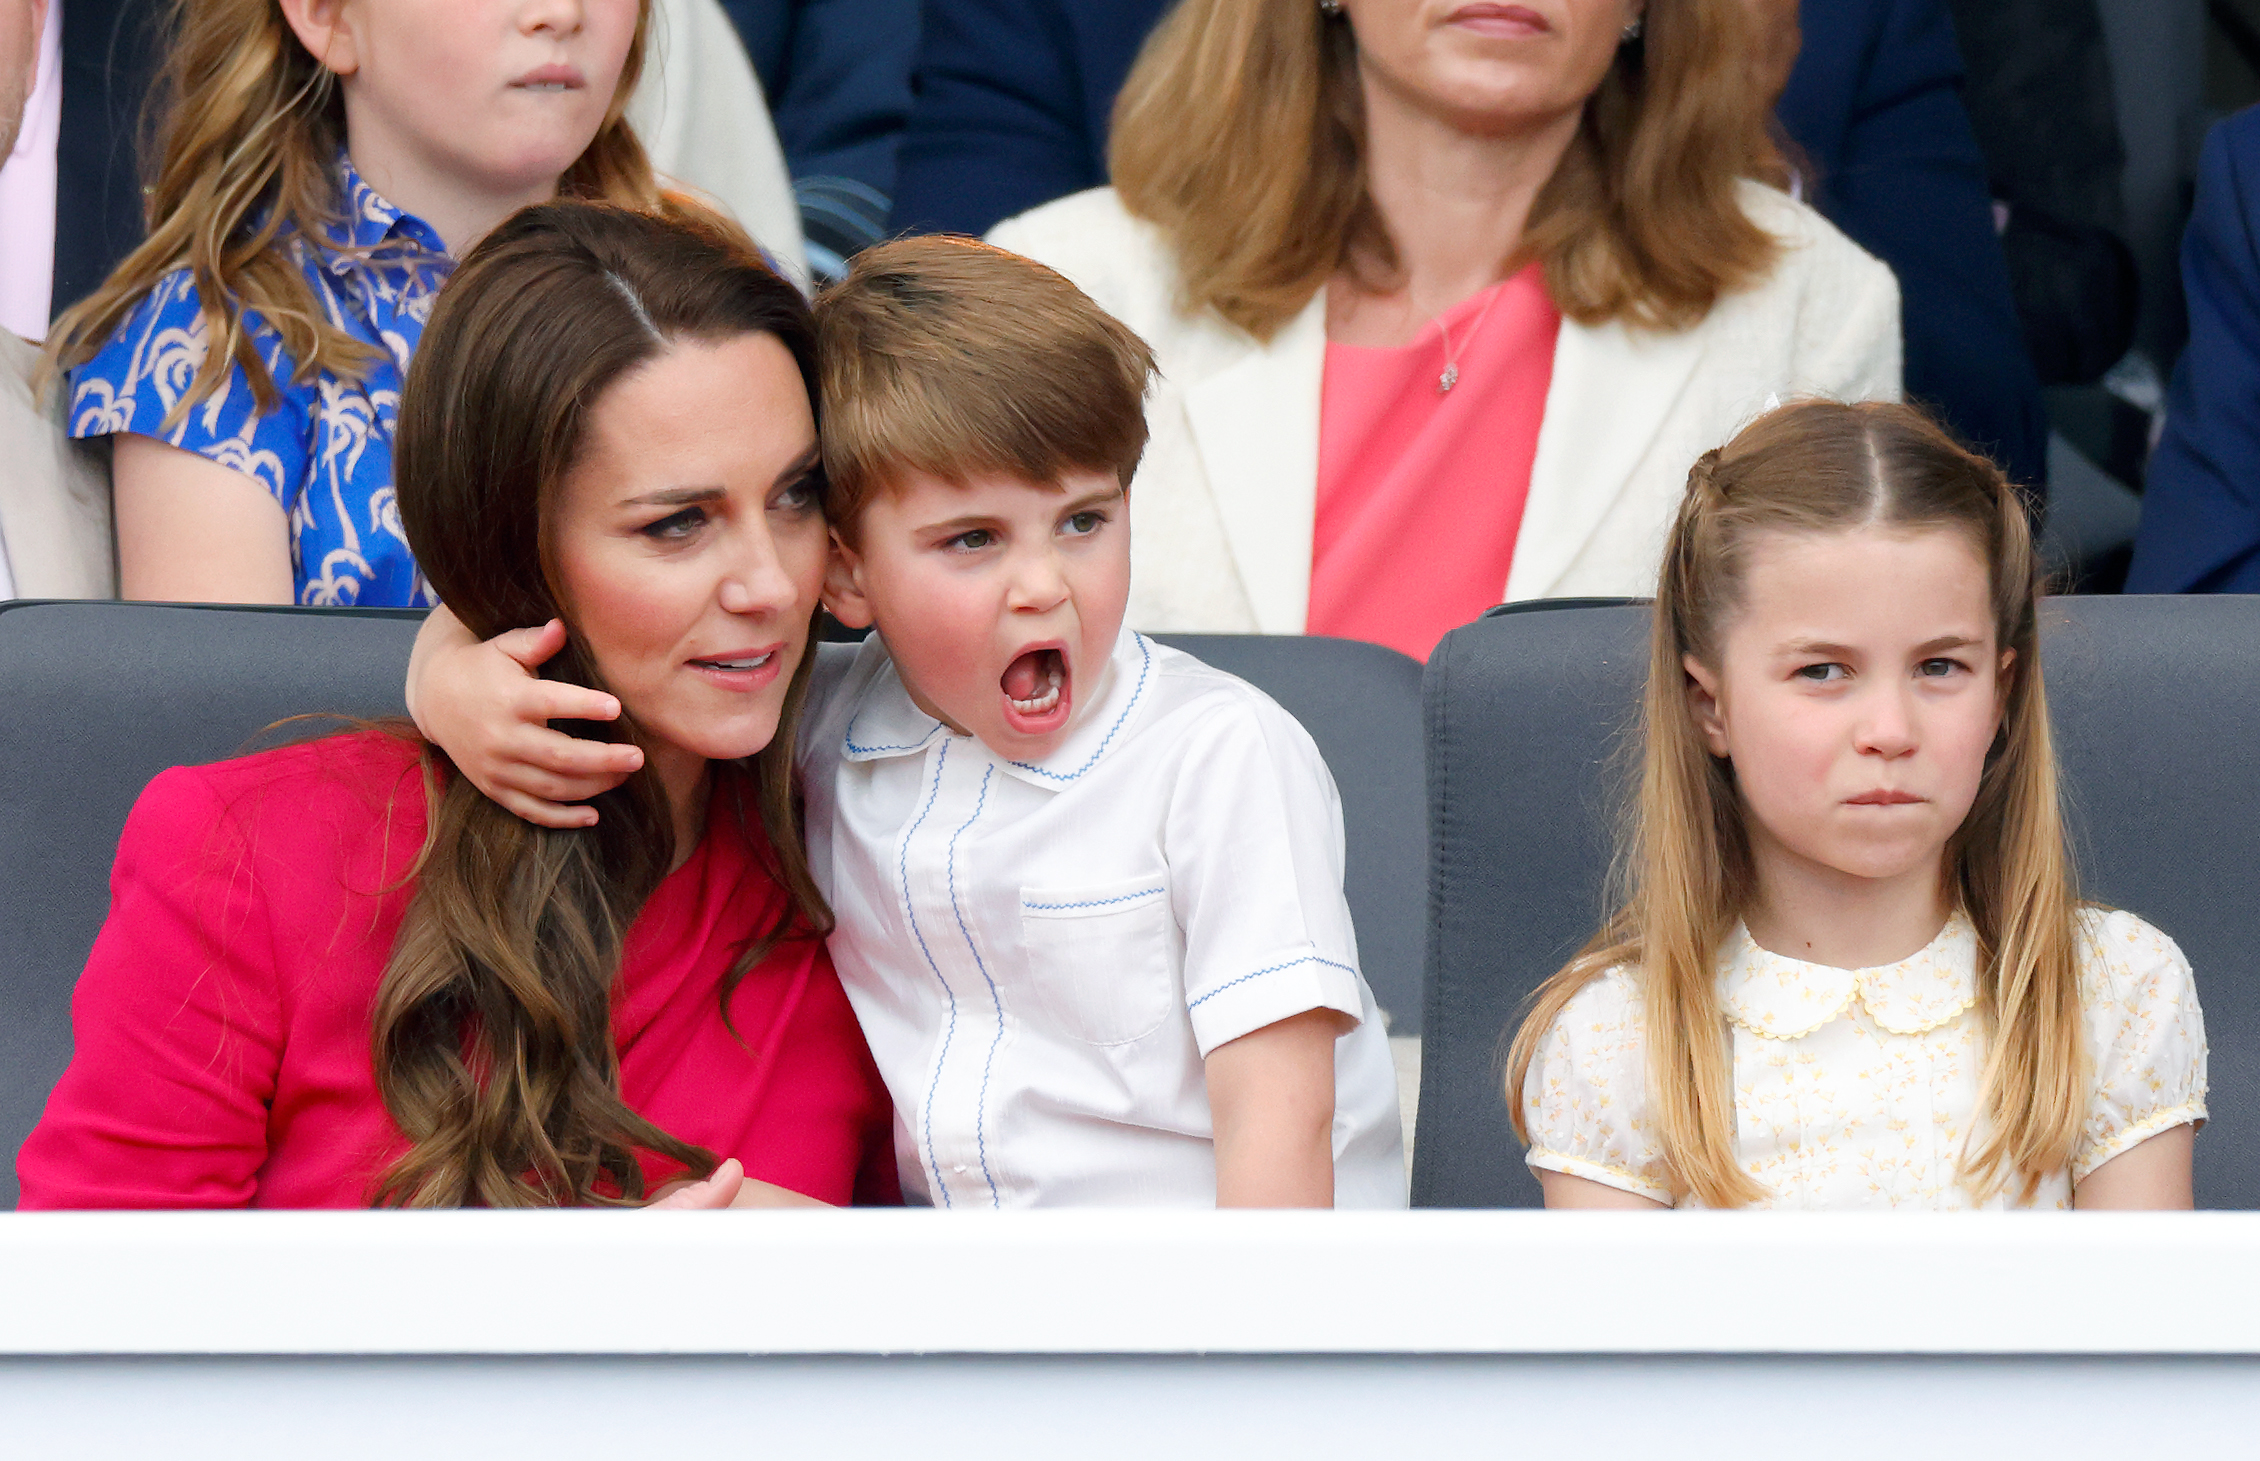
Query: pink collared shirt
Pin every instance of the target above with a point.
(27, 195)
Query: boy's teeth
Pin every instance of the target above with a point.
(1042, 702)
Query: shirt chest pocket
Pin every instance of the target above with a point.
(1101, 958)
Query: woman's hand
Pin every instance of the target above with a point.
(729, 1186)
(484, 705)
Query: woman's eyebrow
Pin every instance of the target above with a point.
(673, 497)
(799, 466)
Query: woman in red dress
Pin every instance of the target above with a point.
(334, 975)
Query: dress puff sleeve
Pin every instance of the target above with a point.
(1585, 1099)
(2146, 1036)
(141, 373)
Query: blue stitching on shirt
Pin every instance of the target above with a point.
(1143, 648)
(980, 1130)
(847, 739)
(910, 911)
(1291, 963)
(1094, 903)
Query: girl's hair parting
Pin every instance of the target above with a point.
(248, 127)
(492, 1037)
(1240, 134)
(1684, 870)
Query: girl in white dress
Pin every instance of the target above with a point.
(1850, 968)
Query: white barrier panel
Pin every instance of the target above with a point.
(1102, 1334)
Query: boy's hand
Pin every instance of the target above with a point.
(1271, 1105)
(485, 707)
(729, 1187)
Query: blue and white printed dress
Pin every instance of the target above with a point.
(326, 451)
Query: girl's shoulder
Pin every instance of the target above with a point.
(2122, 958)
(134, 380)
(1604, 1021)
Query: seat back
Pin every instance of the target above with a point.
(2156, 707)
(98, 698)
(1361, 703)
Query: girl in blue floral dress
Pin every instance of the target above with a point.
(321, 168)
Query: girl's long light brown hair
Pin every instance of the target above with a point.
(1240, 134)
(492, 1035)
(1823, 467)
(248, 126)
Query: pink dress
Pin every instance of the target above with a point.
(1420, 491)
(223, 1021)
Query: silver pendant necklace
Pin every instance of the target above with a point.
(1451, 375)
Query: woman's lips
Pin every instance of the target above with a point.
(1884, 799)
(741, 670)
(1500, 20)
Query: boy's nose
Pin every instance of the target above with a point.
(1038, 584)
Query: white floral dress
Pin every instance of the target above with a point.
(1857, 1088)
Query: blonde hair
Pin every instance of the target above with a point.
(952, 358)
(1240, 135)
(1819, 467)
(249, 126)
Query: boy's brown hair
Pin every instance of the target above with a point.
(953, 358)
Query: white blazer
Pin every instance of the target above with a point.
(701, 115)
(54, 492)
(1223, 502)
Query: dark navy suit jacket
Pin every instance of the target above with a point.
(2201, 503)
(109, 58)
(1012, 99)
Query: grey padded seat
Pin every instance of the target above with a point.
(2156, 706)
(97, 698)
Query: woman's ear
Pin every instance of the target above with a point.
(1703, 704)
(843, 585)
(323, 29)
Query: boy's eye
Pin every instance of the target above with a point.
(972, 540)
(1084, 523)
(1823, 674)
(676, 525)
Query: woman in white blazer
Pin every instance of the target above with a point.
(1290, 173)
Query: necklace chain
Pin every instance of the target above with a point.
(1451, 375)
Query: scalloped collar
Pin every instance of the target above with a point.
(1786, 999)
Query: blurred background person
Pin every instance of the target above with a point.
(1446, 296)
(1014, 99)
(54, 504)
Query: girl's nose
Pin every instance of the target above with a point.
(558, 17)
(1887, 728)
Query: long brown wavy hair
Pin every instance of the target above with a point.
(1241, 135)
(492, 1037)
(1822, 467)
(248, 125)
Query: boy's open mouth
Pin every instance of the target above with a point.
(1037, 691)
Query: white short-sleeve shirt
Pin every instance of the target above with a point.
(1043, 954)
(1857, 1088)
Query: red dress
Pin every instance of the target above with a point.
(223, 1021)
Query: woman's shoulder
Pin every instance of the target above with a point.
(1815, 254)
(1122, 261)
(284, 801)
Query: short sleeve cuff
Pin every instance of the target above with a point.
(1540, 1159)
(1283, 987)
(2127, 1138)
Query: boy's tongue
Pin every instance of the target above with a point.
(1029, 676)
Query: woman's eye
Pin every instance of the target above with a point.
(802, 496)
(677, 525)
(1823, 674)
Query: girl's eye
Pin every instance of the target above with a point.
(677, 525)
(1084, 523)
(1937, 668)
(971, 541)
(1823, 674)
